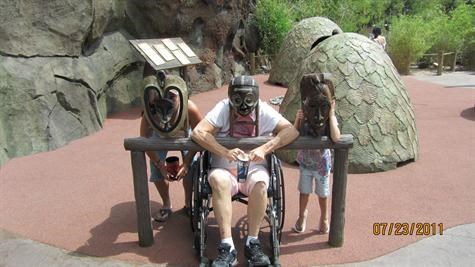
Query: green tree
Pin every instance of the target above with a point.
(274, 19)
(450, 31)
(409, 37)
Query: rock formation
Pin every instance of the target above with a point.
(65, 65)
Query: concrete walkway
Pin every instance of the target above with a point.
(456, 247)
(80, 198)
(461, 79)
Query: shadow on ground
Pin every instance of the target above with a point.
(468, 113)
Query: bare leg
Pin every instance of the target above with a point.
(303, 202)
(163, 189)
(222, 205)
(256, 207)
(323, 202)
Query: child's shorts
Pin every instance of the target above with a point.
(322, 183)
(257, 173)
(155, 174)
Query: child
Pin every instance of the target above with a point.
(316, 118)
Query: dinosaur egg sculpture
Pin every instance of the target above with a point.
(296, 47)
(372, 103)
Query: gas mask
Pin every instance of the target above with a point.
(166, 103)
(316, 96)
(243, 93)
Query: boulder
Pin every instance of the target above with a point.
(45, 28)
(49, 101)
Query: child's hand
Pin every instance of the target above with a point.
(299, 115)
(182, 172)
(332, 108)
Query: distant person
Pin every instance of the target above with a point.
(316, 118)
(158, 171)
(378, 37)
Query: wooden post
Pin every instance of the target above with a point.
(440, 61)
(253, 63)
(454, 62)
(337, 224)
(144, 224)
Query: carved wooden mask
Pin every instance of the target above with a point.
(316, 96)
(165, 102)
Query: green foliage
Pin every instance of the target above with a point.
(274, 19)
(409, 37)
(303, 9)
(356, 15)
(414, 25)
(461, 26)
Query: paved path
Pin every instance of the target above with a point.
(461, 79)
(80, 198)
(455, 248)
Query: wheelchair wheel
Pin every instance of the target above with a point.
(276, 213)
(199, 218)
(192, 199)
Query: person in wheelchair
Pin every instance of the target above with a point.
(242, 114)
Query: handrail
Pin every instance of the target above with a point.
(170, 144)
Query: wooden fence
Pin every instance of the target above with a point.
(440, 60)
(137, 147)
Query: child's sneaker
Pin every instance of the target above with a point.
(226, 257)
(254, 254)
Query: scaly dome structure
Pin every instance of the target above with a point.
(296, 47)
(371, 101)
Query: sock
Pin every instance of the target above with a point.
(249, 238)
(229, 241)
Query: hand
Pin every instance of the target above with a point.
(299, 115)
(182, 172)
(233, 153)
(257, 154)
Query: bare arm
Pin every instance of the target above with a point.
(298, 119)
(284, 132)
(334, 130)
(194, 114)
(146, 131)
(203, 134)
(194, 117)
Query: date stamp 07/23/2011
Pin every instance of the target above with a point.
(403, 229)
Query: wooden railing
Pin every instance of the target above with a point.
(254, 61)
(440, 60)
(137, 147)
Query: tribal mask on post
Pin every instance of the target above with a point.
(166, 103)
(243, 93)
(316, 96)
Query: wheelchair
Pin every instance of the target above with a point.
(201, 206)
